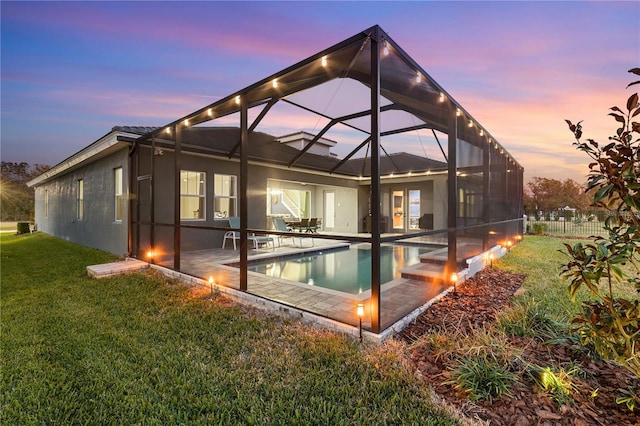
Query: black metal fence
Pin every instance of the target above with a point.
(571, 222)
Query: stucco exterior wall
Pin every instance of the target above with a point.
(98, 227)
(346, 191)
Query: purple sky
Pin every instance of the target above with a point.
(72, 70)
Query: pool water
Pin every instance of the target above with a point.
(347, 270)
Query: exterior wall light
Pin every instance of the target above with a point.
(360, 312)
(385, 49)
(274, 83)
(238, 100)
(210, 112)
(458, 112)
(441, 98)
(186, 122)
(167, 130)
(324, 61)
(418, 78)
(470, 123)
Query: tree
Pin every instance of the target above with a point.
(611, 324)
(552, 194)
(16, 197)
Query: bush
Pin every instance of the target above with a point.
(539, 228)
(528, 319)
(481, 378)
(24, 228)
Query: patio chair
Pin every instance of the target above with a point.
(280, 225)
(313, 225)
(234, 222)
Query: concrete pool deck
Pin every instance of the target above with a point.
(401, 299)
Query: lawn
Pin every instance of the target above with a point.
(539, 259)
(142, 349)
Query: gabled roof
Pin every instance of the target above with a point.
(265, 148)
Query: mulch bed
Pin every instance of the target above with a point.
(474, 305)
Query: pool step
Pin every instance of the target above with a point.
(439, 256)
(423, 271)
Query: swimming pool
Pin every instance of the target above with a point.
(347, 270)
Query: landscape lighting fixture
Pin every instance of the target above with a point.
(360, 312)
(454, 280)
(491, 256)
(211, 282)
(150, 256)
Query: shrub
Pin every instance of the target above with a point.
(481, 378)
(24, 228)
(528, 319)
(540, 228)
(611, 324)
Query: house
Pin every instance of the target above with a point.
(358, 136)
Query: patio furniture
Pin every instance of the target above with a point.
(313, 225)
(280, 225)
(234, 222)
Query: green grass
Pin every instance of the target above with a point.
(539, 259)
(142, 349)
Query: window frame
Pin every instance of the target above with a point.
(186, 195)
(233, 199)
(118, 194)
(80, 199)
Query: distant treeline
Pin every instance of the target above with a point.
(16, 198)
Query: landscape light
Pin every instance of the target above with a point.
(150, 256)
(211, 282)
(491, 256)
(454, 280)
(360, 312)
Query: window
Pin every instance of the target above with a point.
(80, 200)
(117, 175)
(224, 196)
(46, 203)
(192, 195)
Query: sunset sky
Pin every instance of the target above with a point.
(73, 70)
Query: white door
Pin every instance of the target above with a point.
(329, 219)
